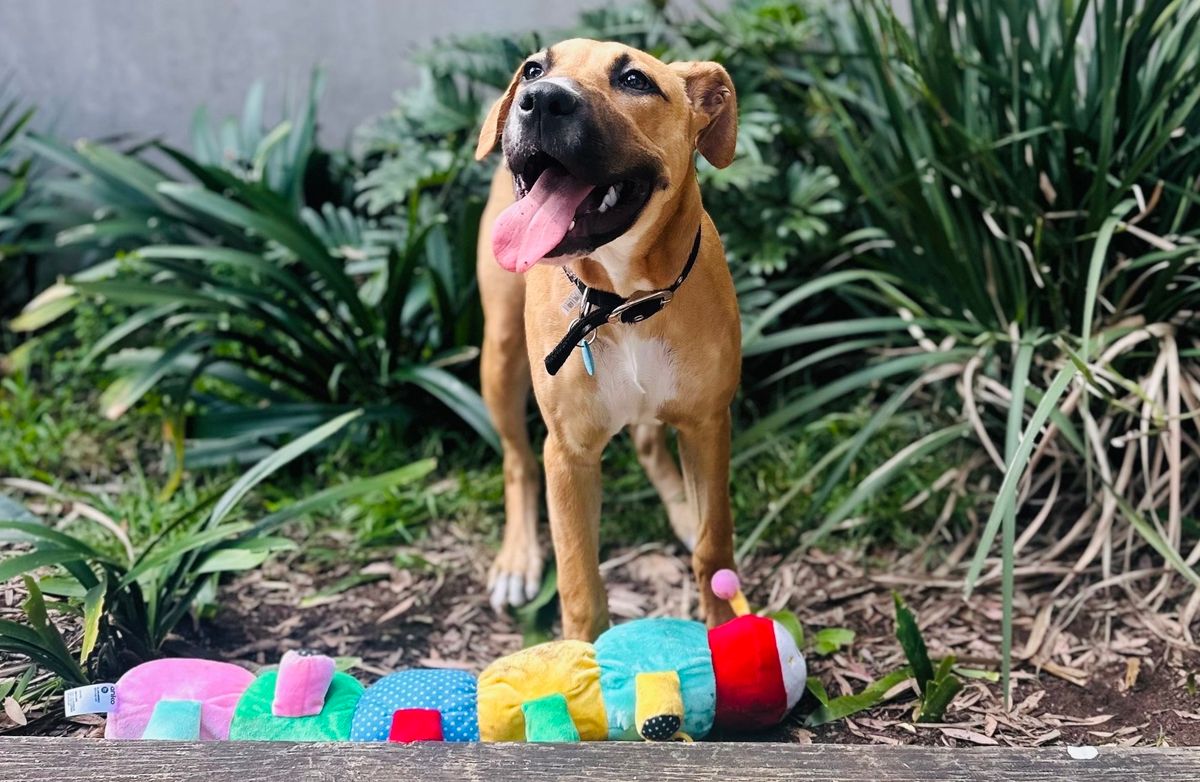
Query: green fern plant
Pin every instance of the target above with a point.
(128, 596)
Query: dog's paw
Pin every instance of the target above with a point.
(514, 580)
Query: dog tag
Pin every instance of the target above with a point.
(588, 362)
(571, 302)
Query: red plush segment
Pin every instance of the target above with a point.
(750, 691)
(416, 725)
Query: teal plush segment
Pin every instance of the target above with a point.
(253, 721)
(649, 645)
(174, 721)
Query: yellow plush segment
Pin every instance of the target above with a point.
(658, 695)
(565, 667)
(739, 604)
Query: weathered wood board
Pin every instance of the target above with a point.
(62, 760)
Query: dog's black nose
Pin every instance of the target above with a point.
(548, 99)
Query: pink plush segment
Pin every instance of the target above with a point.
(302, 684)
(217, 686)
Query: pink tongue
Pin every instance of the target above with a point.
(533, 226)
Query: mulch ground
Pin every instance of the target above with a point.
(1093, 668)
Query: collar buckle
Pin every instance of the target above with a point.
(638, 308)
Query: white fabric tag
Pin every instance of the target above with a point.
(571, 303)
(92, 699)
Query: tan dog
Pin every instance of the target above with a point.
(599, 142)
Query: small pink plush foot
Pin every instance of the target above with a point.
(302, 684)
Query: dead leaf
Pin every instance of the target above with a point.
(14, 712)
(969, 735)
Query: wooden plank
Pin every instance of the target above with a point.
(30, 759)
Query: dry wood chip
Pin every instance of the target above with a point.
(1067, 721)
(876, 724)
(907, 684)
(90, 720)
(380, 569)
(375, 669)
(260, 645)
(285, 627)
(873, 738)
(1030, 702)
(1038, 632)
(1132, 667)
(1125, 731)
(965, 702)
(969, 735)
(437, 662)
(397, 610)
(1046, 738)
(1126, 644)
(956, 725)
(276, 586)
(1072, 675)
(1187, 715)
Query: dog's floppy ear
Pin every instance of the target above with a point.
(714, 104)
(489, 134)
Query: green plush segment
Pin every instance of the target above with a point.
(548, 719)
(253, 720)
(174, 721)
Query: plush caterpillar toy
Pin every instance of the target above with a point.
(657, 679)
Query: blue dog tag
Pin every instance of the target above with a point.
(588, 362)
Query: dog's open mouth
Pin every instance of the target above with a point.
(559, 214)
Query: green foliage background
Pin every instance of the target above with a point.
(965, 247)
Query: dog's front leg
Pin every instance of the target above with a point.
(573, 497)
(704, 451)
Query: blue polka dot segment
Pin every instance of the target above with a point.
(451, 692)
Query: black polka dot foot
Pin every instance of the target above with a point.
(660, 728)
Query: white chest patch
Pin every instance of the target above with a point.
(635, 377)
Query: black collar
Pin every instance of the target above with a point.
(600, 307)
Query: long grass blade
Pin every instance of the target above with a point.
(1006, 497)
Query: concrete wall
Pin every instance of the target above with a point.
(98, 67)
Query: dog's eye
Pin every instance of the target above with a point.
(531, 71)
(636, 80)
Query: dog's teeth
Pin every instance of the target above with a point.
(610, 199)
(603, 207)
(572, 228)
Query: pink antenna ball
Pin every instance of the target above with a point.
(725, 584)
